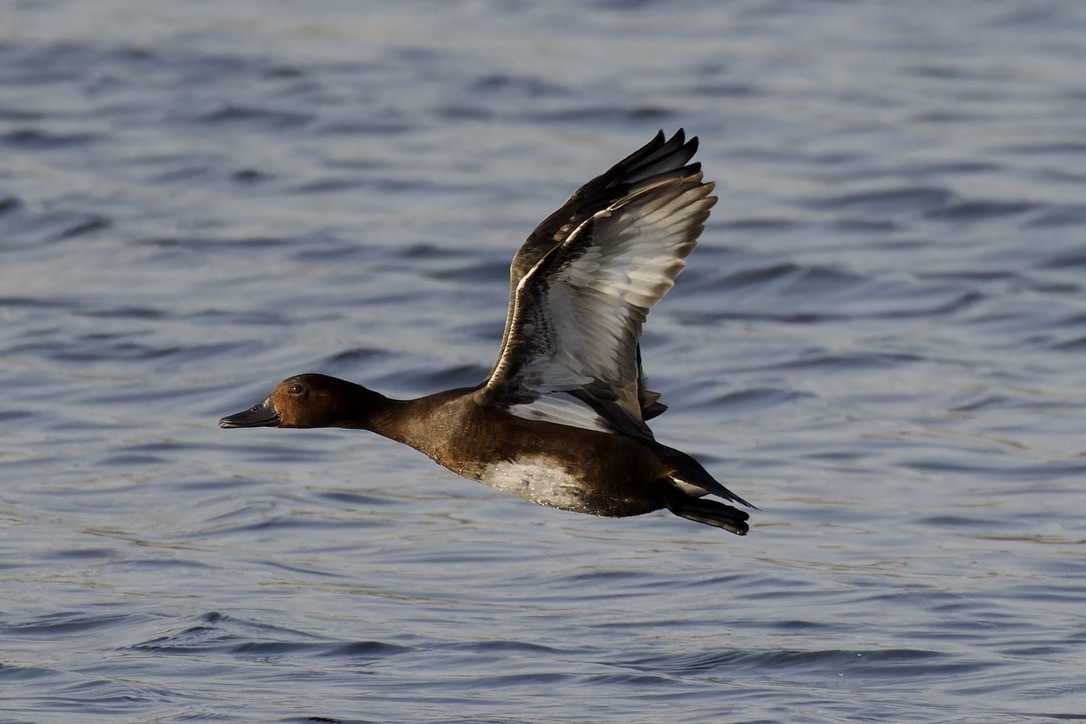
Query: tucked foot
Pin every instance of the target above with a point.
(709, 512)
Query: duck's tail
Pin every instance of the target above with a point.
(709, 512)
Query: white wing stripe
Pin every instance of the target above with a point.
(563, 409)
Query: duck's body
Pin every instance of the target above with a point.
(561, 419)
(544, 462)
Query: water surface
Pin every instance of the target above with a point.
(879, 342)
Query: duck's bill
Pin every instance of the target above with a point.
(262, 415)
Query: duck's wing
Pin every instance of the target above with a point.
(583, 283)
(659, 159)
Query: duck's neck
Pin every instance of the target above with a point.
(364, 409)
(425, 423)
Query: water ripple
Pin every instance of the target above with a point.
(878, 339)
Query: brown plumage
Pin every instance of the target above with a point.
(561, 419)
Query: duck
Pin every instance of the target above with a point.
(561, 420)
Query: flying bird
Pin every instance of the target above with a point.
(561, 420)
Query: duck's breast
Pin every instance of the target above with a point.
(538, 479)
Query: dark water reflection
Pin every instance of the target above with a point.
(878, 342)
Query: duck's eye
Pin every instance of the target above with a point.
(295, 389)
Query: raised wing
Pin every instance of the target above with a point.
(576, 313)
(657, 160)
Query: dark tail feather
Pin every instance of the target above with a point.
(709, 512)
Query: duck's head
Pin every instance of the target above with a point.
(309, 400)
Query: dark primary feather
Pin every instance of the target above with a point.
(656, 160)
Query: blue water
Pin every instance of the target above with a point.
(880, 342)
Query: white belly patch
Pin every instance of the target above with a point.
(540, 482)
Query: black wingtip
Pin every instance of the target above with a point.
(692, 145)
